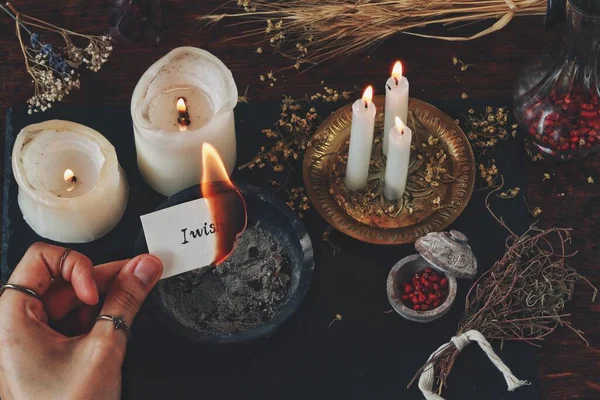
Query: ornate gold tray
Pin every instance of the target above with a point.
(431, 202)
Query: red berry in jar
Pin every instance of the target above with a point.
(425, 291)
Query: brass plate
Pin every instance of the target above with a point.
(323, 189)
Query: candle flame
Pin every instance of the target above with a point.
(68, 175)
(397, 71)
(399, 125)
(368, 95)
(181, 106)
(225, 202)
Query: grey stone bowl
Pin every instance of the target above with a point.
(402, 272)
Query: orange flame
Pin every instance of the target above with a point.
(397, 70)
(181, 106)
(368, 95)
(225, 202)
(213, 170)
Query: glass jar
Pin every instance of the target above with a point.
(557, 100)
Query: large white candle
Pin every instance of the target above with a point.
(361, 141)
(396, 168)
(396, 102)
(169, 152)
(71, 187)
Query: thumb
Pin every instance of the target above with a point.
(126, 295)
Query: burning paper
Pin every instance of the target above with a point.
(200, 232)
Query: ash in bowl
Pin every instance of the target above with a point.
(245, 291)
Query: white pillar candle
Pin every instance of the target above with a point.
(361, 141)
(396, 168)
(396, 102)
(71, 187)
(169, 153)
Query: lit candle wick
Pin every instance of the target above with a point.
(367, 96)
(69, 176)
(183, 117)
(397, 72)
(399, 125)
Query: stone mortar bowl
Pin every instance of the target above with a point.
(293, 236)
(402, 272)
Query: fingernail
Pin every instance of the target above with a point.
(148, 269)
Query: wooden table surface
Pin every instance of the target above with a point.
(568, 369)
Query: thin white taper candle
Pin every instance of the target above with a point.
(396, 102)
(361, 141)
(396, 168)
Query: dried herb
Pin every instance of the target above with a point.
(54, 72)
(289, 137)
(485, 131)
(313, 31)
(522, 297)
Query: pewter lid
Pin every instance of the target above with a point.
(449, 252)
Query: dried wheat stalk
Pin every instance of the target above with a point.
(313, 31)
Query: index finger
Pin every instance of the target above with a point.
(44, 262)
(61, 299)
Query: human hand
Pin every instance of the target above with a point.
(37, 361)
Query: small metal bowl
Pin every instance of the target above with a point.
(402, 272)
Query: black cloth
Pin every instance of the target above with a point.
(369, 354)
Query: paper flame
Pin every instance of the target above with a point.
(225, 202)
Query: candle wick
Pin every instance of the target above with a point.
(389, 87)
(396, 80)
(366, 105)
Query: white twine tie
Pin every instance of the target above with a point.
(427, 378)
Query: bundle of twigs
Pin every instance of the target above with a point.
(522, 297)
(317, 30)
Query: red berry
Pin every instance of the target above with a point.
(407, 288)
(444, 282)
(425, 307)
(414, 300)
(422, 298)
(436, 287)
(405, 297)
(436, 303)
(416, 307)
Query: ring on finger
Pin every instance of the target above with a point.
(118, 322)
(21, 289)
(62, 261)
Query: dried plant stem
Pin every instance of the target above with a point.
(313, 31)
(522, 296)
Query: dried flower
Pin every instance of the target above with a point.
(546, 176)
(536, 212)
(54, 73)
(338, 317)
(510, 193)
(590, 179)
(464, 96)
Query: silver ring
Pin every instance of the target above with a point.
(118, 322)
(62, 261)
(20, 289)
